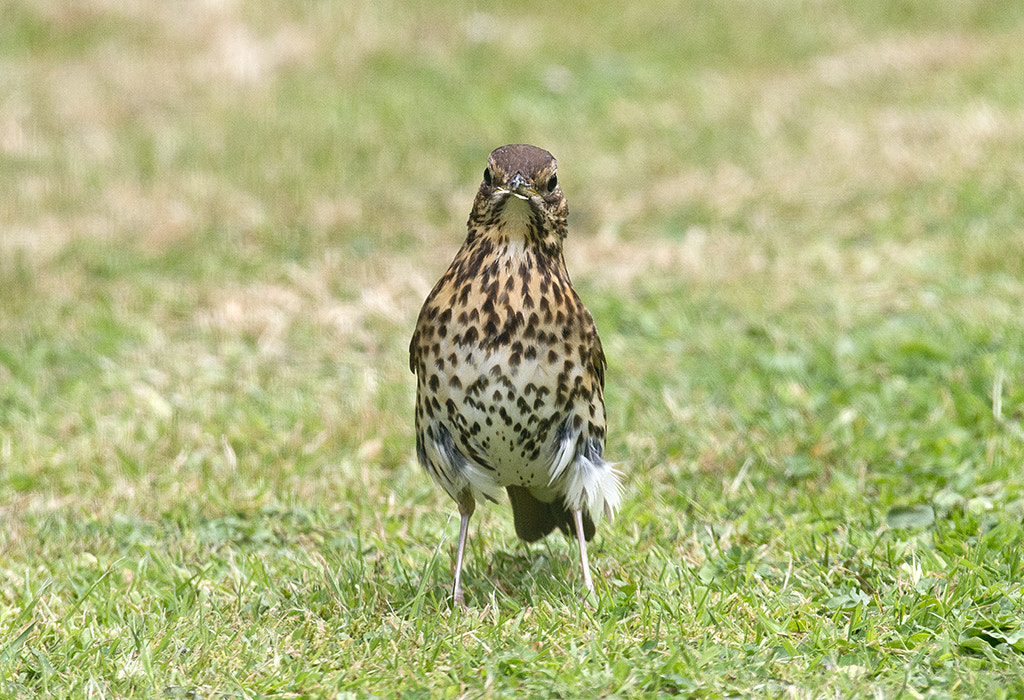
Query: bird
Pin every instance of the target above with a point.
(510, 370)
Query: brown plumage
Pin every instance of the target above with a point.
(509, 366)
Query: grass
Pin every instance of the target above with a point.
(798, 226)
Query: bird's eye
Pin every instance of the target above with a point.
(552, 183)
(487, 176)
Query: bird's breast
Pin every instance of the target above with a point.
(503, 360)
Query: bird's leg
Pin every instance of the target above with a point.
(577, 517)
(467, 505)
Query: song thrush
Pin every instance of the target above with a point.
(510, 369)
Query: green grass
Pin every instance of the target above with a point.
(799, 226)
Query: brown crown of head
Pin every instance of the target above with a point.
(524, 159)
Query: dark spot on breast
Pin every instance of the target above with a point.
(572, 302)
(478, 386)
(472, 265)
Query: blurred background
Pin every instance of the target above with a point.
(219, 218)
(798, 225)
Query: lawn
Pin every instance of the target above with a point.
(799, 227)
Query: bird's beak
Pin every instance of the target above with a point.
(521, 187)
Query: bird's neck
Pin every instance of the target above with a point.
(512, 249)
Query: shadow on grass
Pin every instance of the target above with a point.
(519, 579)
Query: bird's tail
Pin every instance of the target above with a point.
(535, 518)
(593, 483)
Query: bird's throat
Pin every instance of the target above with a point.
(517, 218)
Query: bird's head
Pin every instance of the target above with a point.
(520, 197)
